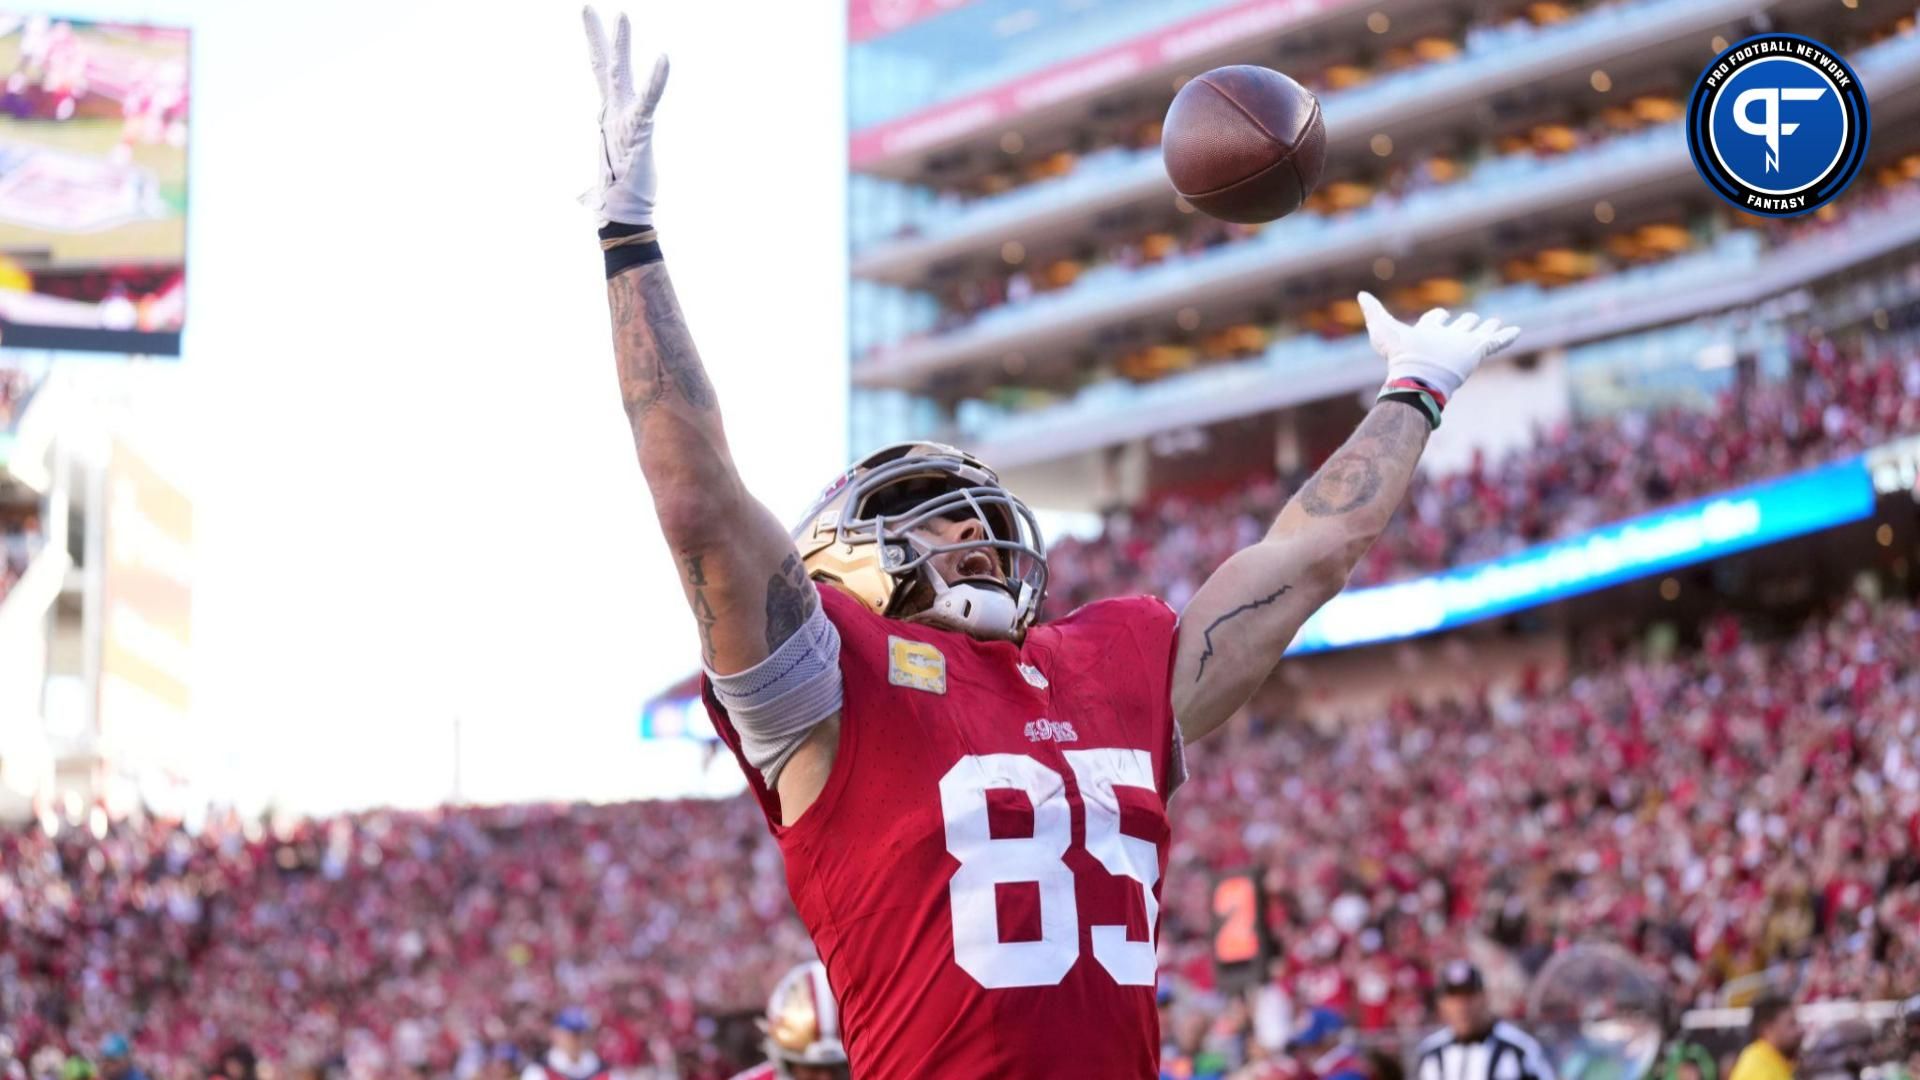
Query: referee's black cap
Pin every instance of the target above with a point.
(1460, 977)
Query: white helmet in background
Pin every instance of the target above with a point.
(803, 1021)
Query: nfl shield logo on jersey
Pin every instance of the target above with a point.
(1033, 676)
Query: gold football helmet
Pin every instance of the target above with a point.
(803, 1021)
(866, 535)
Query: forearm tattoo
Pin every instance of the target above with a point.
(652, 345)
(1207, 635)
(1392, 434)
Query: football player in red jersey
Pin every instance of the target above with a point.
(802, 1026)
(972, 804)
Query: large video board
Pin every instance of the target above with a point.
(93, 184)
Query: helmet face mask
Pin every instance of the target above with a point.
(878, 534)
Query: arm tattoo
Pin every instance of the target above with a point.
(1343, 485)
(639, 363)
(1352, 477)
(790, 600)
(651, 342)
(702, 610)
(670, 336)
(1207, 636)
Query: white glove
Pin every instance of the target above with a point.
(1437, 352)
(627, 181)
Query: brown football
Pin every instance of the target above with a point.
(1244, 143)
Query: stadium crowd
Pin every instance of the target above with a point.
(1581, 473)
(1715, 810)
(384, 942)
(1747, 803)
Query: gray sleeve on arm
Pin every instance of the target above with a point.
(776, 704)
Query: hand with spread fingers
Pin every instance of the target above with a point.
(625, 194)
(1428, 361)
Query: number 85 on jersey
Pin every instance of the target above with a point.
(987, 861)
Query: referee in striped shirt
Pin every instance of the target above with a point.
(1474, 1045)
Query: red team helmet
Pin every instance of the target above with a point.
(803, 1021)
(866, 534)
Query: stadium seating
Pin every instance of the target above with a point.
(1743, 802)
(1581, 474)
(1750, 802)
(1364, 84)
(372, 934)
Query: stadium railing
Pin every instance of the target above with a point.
(905, 93)
(1735, 271)
(1496, 190)
(1297, 245)
(1493, 59)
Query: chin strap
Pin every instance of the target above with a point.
(971, 609)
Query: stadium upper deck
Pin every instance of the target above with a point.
(1008, 150)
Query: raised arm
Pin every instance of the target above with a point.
(737, 566)
(1238, 624)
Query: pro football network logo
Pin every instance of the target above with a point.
(1778, 125)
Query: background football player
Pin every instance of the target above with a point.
(972, 804)
(802, 1029)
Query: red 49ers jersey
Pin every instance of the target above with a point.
(981, 874)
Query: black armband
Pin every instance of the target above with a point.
(628, 246)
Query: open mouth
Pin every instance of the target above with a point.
(977, 567)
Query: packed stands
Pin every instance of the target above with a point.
(1752, 802)
(389, 935)
(1582, 473)
(1749, 804)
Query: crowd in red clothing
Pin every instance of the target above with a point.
(1580, 474)
(390, 939)
(1748, 803)
(1745, 804)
